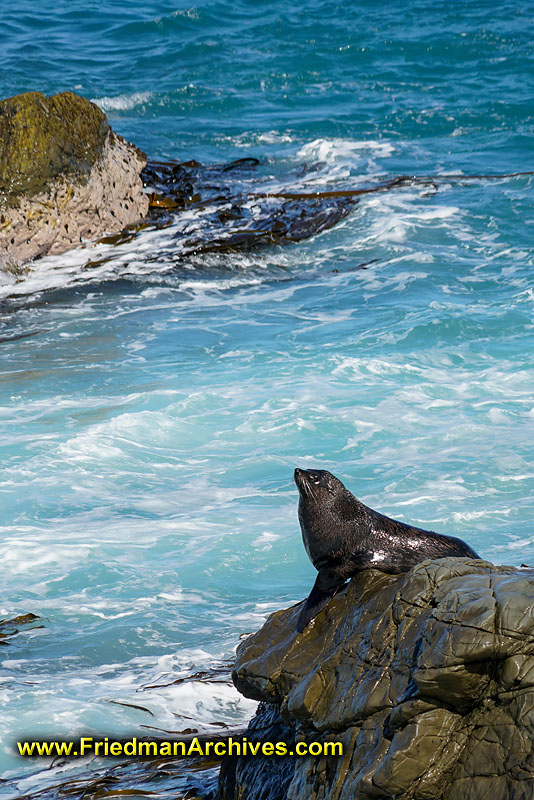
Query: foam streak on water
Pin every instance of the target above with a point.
(154, 404)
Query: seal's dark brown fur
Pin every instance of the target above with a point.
(342, 536)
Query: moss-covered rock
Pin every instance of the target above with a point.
(42, 138)
(65, 177)
(426, 678)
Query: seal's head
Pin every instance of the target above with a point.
(317, 484)
(326, 507)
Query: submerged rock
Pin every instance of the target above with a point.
(426, 678)
(65, 177)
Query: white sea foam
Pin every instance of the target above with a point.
(379, 221)
(363, 366)
(254, 138)
(333, 151)
(122, 102)
(274, 137)
(396, 216)
(342, 159)
(137, 697)
(129, 260)
(190, 13)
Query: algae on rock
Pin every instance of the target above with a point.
(65, 177)
(42, 138)
(426, 678)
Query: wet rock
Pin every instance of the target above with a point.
(260, 777)
(426, 678)
(65, 177)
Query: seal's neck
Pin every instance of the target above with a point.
(348, 507)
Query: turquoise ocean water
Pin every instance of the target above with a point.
(151, 422)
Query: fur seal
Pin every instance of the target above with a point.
(342, 536)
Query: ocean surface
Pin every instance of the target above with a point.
(154, 404)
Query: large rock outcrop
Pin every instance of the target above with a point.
(426, 678)
(65, 177)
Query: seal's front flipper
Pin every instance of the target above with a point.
(327, 584)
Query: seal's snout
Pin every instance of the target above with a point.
(302, 478)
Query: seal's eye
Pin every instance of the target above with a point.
(317, 480)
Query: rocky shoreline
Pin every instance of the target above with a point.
(426, 678)
(67, 179)
(65, 176)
